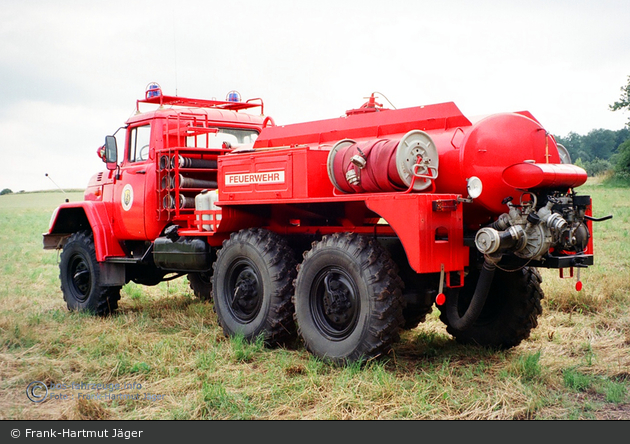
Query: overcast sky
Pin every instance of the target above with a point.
(71, 71)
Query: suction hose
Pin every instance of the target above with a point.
(477, 302)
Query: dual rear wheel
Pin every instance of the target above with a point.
(345, 298)
(252, 285)
(349, 297)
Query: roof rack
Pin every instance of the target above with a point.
(199, 103)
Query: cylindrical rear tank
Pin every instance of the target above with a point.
(487, 148)
(483, 149)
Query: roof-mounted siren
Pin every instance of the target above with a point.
(153, 90)
(233, 96)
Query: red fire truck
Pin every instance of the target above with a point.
(342, 231)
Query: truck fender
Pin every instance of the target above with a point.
(76, 216)
(418, 230)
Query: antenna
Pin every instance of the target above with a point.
(175, 48)
(55, 183)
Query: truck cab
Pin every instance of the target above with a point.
(156, 163)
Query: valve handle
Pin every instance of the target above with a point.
(578, 284)
(441, 298)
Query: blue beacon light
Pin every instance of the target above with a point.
(233, 96)
(153, 90)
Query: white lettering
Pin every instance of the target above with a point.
(41, 433)
(67, 433)
(254, 178)
(127, 434)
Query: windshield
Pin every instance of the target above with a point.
(223, 138)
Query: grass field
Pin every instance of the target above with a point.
(171, 360)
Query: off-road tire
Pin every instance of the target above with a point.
(79, 273)
(510, 313)
(252, 286)
(419, 289)
(415, 314)
(201, 285)
(348, 299)
(419, 295)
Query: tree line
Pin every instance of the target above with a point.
(597, 151)
(601, 150)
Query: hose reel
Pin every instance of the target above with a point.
(384, 165)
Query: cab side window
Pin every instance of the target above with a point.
(139, 138)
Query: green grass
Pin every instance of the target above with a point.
(574, 365)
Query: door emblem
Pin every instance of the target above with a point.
(127, 197)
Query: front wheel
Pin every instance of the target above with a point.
(348, 299)
(252, 286)
(80, 277)
(509, 314)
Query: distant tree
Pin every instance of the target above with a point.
(579, 162)
(624, 101)
(594, 167)
(622, 157)
(597, 144)
(5, 191)
(622, 161)
(574, 143)
(598, 166)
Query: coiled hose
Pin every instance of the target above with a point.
(477, 302)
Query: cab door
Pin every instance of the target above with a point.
(129, 193)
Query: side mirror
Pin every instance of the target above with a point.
(110, 156)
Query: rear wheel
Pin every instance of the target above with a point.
(419, 289)
(510, 313)
(253, 285)
(80, 277)
(201, 285)
(348, 299)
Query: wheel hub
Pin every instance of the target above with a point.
(245, 290)
(80, 278)
(336, 300)
(246, 293)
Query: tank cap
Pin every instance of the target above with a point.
(171, 232)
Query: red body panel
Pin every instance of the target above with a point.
(286, 177)
(99, 221)
(432, 238)
(295, 173)
(373, 125)
(483, 148)
(127, 204)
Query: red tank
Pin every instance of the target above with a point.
(384, 148)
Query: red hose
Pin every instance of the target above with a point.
(378, 175)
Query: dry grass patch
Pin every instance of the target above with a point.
(573, 366)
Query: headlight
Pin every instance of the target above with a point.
(474, 186)
(52, 219)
